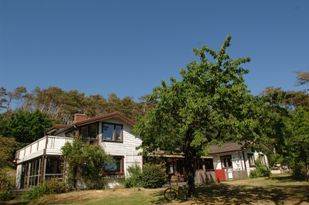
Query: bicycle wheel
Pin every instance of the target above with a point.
(170, 194)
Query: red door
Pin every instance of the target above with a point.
(220, 175)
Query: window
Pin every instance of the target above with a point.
(83, 132)
(54, 165)
(112, 132)
(251, 160)
(226, 161)
(209, 164)
(93, 130)
(89, 131)
(34, 172)
(115, 166)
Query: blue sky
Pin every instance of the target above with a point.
(128, 47)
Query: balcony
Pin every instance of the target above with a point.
(48, 145)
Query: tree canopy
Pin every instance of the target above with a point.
(7, 149)
(61, 105)
(24, 126)
(288, 126)
(209, 104)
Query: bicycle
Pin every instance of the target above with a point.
(171, 193)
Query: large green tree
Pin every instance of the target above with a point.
(24, 126)
(289, 125)
(209, 104)
(296, 142)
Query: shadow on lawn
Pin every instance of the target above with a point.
(228, 194)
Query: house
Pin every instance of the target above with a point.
(235, 160)
(227, 162)
(42, 159)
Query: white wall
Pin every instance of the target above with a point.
(256, 156)
(36, 149)
(127, 148)
(18, 176)
(237, 160)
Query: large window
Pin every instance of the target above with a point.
(115, 166)
(89, 131)
(251, 160)
(112, 132)
(34, 172)
(226, 161)
(54, 165)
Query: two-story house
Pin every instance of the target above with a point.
(42, 159)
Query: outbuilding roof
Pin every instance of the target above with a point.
(226, 147)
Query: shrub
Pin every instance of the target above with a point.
(135, 179)
(35, 192)
(5, 195)
(6, 185)
(153, 176)
(52, 186)
(261, 170)
(55, 186)
(84, 164)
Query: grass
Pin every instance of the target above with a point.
(106, 197)
(277, 190)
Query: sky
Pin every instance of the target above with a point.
(128, 47)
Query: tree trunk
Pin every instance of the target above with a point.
(190, 156)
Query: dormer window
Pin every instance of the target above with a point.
(112, 132)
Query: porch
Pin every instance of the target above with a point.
(40, 161)
(175, 168)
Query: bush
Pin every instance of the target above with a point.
(260, 170)
(5, 195)
(135, 179)
(7, 184)
(153, 176)
(35, 192)
(52, 186)
(55, 186)
(85, 164)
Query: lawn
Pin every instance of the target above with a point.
(274, 190)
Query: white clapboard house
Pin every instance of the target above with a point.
(42, 159)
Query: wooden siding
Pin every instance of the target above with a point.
(127, 148)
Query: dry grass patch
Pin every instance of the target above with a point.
(106, 197)
(278, 190)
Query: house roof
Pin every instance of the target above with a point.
(108, 116)
(226, 147)
(114, 115)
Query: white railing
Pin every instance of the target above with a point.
(43, 145)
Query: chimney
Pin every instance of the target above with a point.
(79, 117)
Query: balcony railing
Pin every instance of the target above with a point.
(45, 145)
